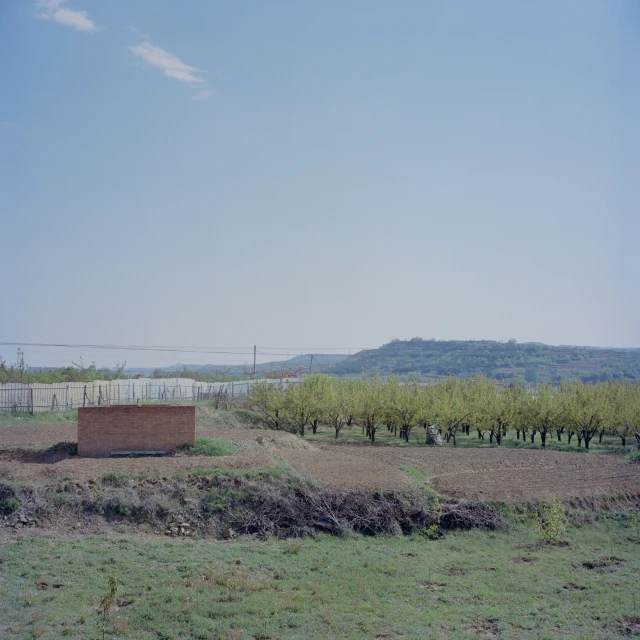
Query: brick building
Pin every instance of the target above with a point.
(103, 431)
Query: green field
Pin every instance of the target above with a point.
(465, 585)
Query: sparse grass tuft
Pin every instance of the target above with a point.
(633, 458)
(115, 478)
(207, 447)
(421, 480)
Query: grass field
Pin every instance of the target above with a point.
(465, 585)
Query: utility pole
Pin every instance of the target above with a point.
(254, 361)
(310, 364)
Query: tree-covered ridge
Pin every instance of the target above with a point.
(419, 359)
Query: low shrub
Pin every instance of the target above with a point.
(8, 505)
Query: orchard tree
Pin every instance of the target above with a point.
(588, 409)
(320, 388)
(407, 409)
(271, 400)
(625, 402)
(301, 403)
(501, 406)
(392, 392)
(451, 407)
(370, 406)
(477, 394)
(338, 404)
(544, 410)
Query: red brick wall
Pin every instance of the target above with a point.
(102, 430)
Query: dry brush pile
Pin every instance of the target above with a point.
(575, 410)
(266, 505)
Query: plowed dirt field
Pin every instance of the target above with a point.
(484, 474)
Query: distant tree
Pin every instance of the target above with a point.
(531, 375)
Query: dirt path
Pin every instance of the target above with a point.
(483, 474)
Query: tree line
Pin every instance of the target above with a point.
(579, 410)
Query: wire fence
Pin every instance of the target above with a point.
(31, 398)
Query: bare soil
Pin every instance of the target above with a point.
(477, 474)
(25, 435)
(79, 468)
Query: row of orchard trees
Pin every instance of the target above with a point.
(456, 405)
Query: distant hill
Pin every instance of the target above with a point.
(320, 362)
(419, 359)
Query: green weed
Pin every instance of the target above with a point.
(208, 447)
(552, 523)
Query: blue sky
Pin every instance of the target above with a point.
(308, 175)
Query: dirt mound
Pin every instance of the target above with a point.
(56, 453)
(226, 504)
(276, 441)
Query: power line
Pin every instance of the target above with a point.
(389, 349)
(267, 351)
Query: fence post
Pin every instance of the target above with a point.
(32, 409)
(232, 391)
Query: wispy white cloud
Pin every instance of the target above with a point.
(170, 65)
(132, 29)
(57, 11)
(203, 95)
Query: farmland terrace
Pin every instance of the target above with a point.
(469, 473)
